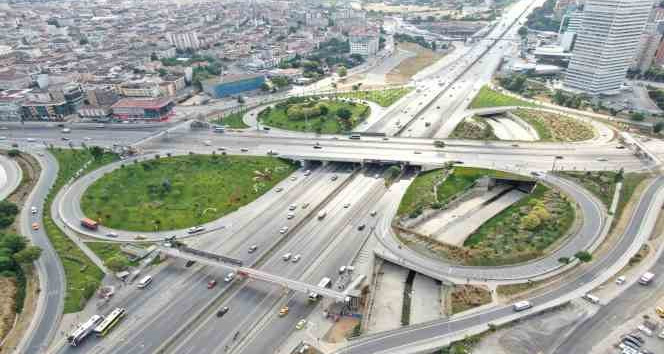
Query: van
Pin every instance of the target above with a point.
(522, 305)
(145, 282)
(646, 278)
(591, 298)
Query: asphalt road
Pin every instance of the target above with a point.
(10, 176)
(403, 338)
(52, 280)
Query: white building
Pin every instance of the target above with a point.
(184, 40)
(648, 45)
(606, 44)
(364, 45)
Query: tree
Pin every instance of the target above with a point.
(116, 263)
(564, 260)
(342, 71)
(97, 152)
(265, 86)
(344, 113)
(12, 242)
(27, 255)
(523, 31)
(658, 127)
(240, 99)
(583, 256)
(13, 152)
(637, 116)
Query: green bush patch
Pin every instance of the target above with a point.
(489, 98)
(556, 127)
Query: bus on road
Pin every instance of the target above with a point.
(76, 337)
(89, 224)
(110, 321)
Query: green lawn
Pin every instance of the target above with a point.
(420, 193)
(232, 120)
(324, 124)
(384, 98)
(83, 276)
(178, 192)
(489, 98)
(474, 128)
(630, 182)
(503, 240)
(108, 250)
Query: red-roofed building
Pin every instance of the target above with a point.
(143, 109)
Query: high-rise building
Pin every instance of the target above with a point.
(184, 40)
(648, 45)
(606, 44)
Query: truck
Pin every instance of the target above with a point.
(646, 278)
(324, 283)
(89, 224)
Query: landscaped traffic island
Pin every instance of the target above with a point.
(474, 216)
(169, 193)
(322, 116)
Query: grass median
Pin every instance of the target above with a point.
(83, 276)
(487, 98)
(178, 192)
(383, 98)
(232, 120)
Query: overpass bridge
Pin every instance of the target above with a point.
(215, 260)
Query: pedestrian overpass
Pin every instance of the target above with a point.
(215, 260)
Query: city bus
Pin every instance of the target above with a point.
(324, 283)
(110, 321)
(76, 337)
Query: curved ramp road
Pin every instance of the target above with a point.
(424, 337)
(10, 176)
(590, 232)
(52, 280)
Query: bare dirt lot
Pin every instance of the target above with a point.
(7, 305)
(341, 330)
(409, 67)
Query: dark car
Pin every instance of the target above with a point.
(222, 311)
(189, 264)
(361, 227)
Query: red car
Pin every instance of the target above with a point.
(212, 284)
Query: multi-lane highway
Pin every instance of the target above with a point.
(10, 176)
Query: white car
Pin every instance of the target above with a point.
(286, 256)
(283, 230)
(292, 207)
(307, 173)
(229, 277)
(290, 215)
(111, 234)
(195, 229)
(296, 258)
(33, 210)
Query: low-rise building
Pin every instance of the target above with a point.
(143, 89)
(364, 45)
(143, 109)
(232, 84)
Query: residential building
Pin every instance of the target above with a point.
(10, 104)
(143, 109)
(140, 89)
(606, 44)
(648, 45)
(12, 79)
(365, 45)
(232, 84)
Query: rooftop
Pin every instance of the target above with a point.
(141, 103)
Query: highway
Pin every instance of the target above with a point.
(148, 326)
(405, 340)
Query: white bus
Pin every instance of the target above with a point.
(324, 283)
(76, 337)
(110, 321)
(145, 282)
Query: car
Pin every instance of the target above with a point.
(30, 140)
(334, 178)
(272, 152)
(307, 173)
(278, 189)
(377, 175)
(342, 270)
(292, 207)
(287, 256)
(284, 311)
(252, 248)
(417, 152)
(373, 213)
(229, 277)
(222, 311)
(64, 138)
(602, 159)
(361, 227)
(659, 311)
(140, 237)
(111, 234)
(189, 263)
(386, 138)
(35, 226)
(211, 284)
(620, 146)
(244, 150)
(296, 258)
(301, 324)
(305, 205)
(290, 215)
(346, 205)
(293, 178)
(317, 146)
(195, 229)
(33, 210)
(283, 230)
